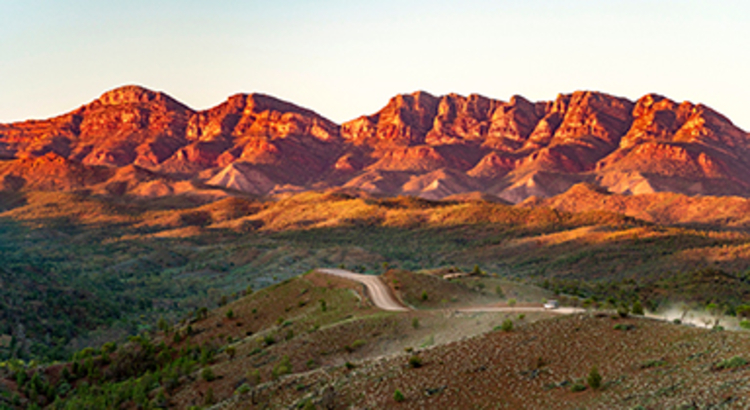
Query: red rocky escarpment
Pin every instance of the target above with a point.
(417, 144)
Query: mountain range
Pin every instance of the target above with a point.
(134, 141)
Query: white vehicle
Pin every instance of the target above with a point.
(551, 304)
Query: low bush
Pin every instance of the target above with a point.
(576, 387)
(415, 361)
(243, 389)
(638, 308)
(732, 363)
(283, 367)
(398, 396)
(653, 363)
(507, 325)
(208, 375)
(594, 379)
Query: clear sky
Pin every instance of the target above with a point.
(344, 58)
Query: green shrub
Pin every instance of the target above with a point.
(283, 367)
(745, 324)
(638, 308)
(398, 396)
(731, 363)
(268, 340)
(507, 325)
(512, 302)
(415, 323)
(349, 365)
(208, 375)
(594, 379)
(358, 343)
(415, 361)
(424, 296)
(624, 326)
(653, 363)
(109, 347)
(253, 377)
(230, 314)
(499, 292)
(576, 387)
(243, 389)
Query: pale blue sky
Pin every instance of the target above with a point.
(344, 58)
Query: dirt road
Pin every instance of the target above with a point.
(378, 291)
(382, 297)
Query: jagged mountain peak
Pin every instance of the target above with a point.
(136, 94)
(510, 149)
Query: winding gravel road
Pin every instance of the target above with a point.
(378, 291)
(383, 298)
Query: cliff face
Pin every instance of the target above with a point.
(417, 144)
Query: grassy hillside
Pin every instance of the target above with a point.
(311, 324)
(79, 270)
(316, 342)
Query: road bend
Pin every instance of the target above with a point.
(378, 291)
(383, 298)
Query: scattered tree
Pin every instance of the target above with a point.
(638, 308)
(594, 379)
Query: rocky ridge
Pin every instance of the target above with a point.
(418, 144)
